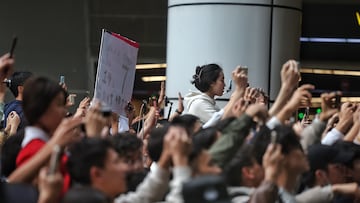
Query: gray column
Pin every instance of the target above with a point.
(261, 34)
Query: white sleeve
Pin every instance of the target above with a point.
(202, 109)
(316, 194)
(273, 122)
(312, 133)
(332, 136)
(181, 175)
(216, 117)
(152, 189)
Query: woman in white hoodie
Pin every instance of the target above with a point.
(209, 80)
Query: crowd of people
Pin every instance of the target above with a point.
(244, 152)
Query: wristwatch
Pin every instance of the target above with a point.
(177, 111)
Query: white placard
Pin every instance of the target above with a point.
(116, 71)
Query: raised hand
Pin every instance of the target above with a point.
(240, 78)
(345, 117)
(12, 123)
(162, 94)
(49, 186)
(95, 121)
(258, 111)
(67, 132)
(6, 66)
(272, 162)
(251, 94)
(179, 145)
(290, 74)
(301, 97)
(327, 106)
(82, 108)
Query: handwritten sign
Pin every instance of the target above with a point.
(116, 71)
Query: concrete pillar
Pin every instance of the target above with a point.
(261, 34)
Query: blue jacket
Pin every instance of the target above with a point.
(16, 106)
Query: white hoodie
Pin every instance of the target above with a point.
(200, 105)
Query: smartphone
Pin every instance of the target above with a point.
(230, 86)
(13, 45)
(62, 80)
(338, 101)
(273, 137)
(55, 160)
(72, 98)
(307, 113)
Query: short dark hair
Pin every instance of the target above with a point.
(156, 140)
(206, 75)
(203, 140)
(18, 78)
(285, 136)
(125, 143)
(85, 154)
(38, 94)
(186, 121)
(243, 158)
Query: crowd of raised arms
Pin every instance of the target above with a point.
(243, 152)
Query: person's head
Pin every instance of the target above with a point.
(156, 142)
(295, 161)
(94, 162)
(129, 148)
(44, 103)
(352, 165)
(327, 165)
(200, 158)
(190, 122)
(244, 169)
(209, 78)
(17, 81)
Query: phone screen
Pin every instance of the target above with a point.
(54, 160)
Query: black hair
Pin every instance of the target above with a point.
(233, 170)
(186, 121)
(126, 143)
(285, 136)
(134, 179)
(203, 140)
(85, 154)
(18, 79)
(156, 140)
(206, 75)
(38, 94)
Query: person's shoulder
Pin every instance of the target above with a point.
(29, 150)
(13, 105)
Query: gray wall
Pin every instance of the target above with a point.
(51, 39)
